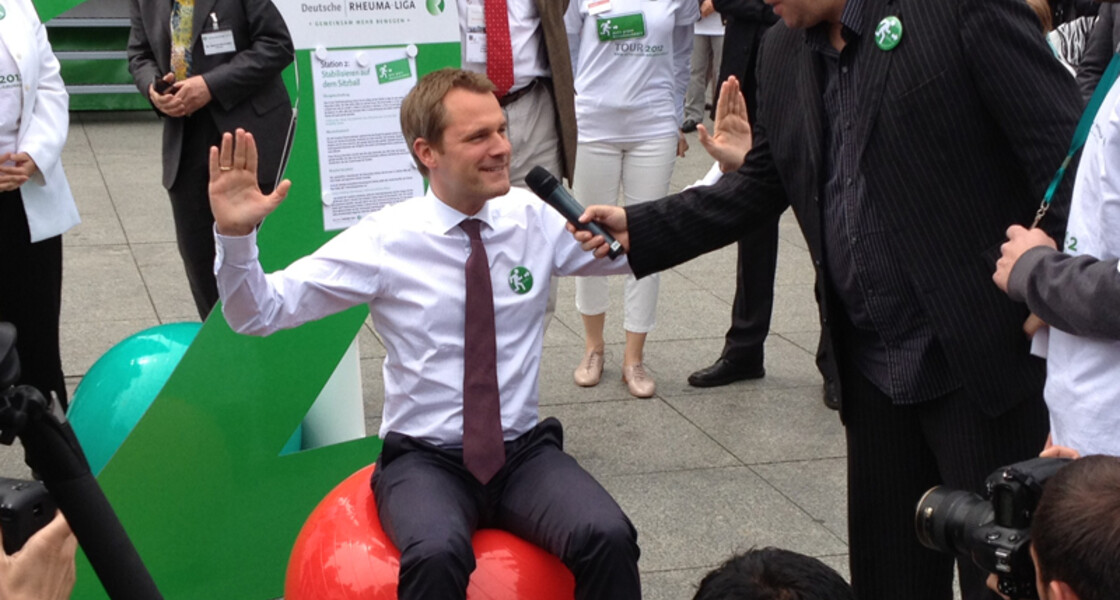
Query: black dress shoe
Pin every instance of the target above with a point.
(724, 372)
(830, 401)
(689, 126)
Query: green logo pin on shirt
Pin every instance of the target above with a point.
(888, 33)
(3, 13)
(520, 280)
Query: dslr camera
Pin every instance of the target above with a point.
(25, 506)
(992, 530)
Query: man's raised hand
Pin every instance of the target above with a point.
(732, 137)
(235, 197)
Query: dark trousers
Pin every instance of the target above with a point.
(31, 296)
(430, 506)
(190, 206)
(895, 454)
(754, 297)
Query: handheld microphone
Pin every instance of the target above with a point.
(549, 189)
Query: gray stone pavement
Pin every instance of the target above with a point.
(702, 473)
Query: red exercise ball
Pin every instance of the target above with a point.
(342, 553)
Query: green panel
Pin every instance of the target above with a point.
(74, 39)
(91, 72)
(79, 102)
(49, 9)
(200, 485)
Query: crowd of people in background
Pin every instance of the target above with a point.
(913, 140)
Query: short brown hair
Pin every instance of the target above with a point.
(1076, 527)
(422, 111)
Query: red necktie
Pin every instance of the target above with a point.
(483, 451)
(499, 52)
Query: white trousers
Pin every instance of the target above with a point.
(643, 169)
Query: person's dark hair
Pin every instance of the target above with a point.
(1076, 528)
(773, 574)
(422, 112)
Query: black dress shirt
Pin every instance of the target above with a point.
(888, 334)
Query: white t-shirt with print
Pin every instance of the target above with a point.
(631, 64)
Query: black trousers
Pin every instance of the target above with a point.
(190, 206)
(430, 506)
(754, 297)
(31, 296)
(895, 454)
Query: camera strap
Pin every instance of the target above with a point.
(1081, 134)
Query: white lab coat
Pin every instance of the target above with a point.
(44, 121)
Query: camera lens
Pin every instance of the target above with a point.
(944, 518)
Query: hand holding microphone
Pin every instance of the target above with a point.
(548, 188)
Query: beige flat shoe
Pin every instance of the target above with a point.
(639, 381)
(590, 369)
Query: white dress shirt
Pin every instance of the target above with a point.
(530, 60)
(407, 263)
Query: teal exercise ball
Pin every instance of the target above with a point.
(118, 389)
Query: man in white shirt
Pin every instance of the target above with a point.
(410, 264)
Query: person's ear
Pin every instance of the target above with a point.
(1060, 590)
(425, 152)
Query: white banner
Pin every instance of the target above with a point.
(363, 23)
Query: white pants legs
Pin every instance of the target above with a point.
(643, 170)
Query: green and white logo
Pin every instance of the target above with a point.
(435, 7)
(3, 13)
(520, 280)
(393, 71)
(889, 33)
(621, 27)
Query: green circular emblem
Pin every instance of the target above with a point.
(3, 13)
(520, 280)
(435, 7)
(888, 33)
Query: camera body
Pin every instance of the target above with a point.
(993, 531)
(25, 507)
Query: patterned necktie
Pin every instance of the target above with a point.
(483, 451)
(182, 24)
(499, 52)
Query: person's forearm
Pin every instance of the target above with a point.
(1076, 294)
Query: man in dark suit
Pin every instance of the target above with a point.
(907, 135)
(221, 61)
(742, 356)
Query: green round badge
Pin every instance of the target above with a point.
(888, 33)
(435, 7)
(3, 13)
(520, 280)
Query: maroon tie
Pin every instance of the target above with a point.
(483, 452)
(499, 52)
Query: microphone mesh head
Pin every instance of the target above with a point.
(541, 181)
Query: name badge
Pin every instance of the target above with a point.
(597, 7)
(218, 42)
(621, 27)
(476, 47)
